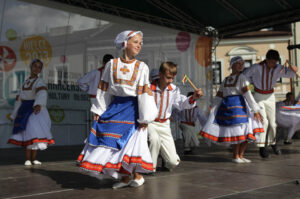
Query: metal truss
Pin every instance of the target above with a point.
(175, 12)
(284, 4)
(269, 21)
(122, 12)
(236, 12)
(185, 22)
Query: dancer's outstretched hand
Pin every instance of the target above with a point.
(294, 68)
(143, 126)
(96, 117)
(36, 109)
(258, 117)
(197, 94)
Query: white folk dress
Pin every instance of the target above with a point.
(288, 117)
(37, 135)
(216, 130)
(122, 79)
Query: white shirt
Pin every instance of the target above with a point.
(32, 89)
(123, 79)
(264, 78)
(90, 81)
(190, 116)
(168, 98)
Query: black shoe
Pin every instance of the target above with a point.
(189, 152)
(287, 142)
(276, 150)
(263, 152)
(163, 169)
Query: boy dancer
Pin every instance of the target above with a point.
(264, 76)
(166, 96)
(187, 119)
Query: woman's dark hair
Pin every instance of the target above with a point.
(36, 60)
(106, 58)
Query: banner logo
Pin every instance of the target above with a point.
(36, 47)
(8, 59)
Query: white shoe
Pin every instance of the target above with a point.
(27, 163)
(137, 182)
(238, 160)
(246, 160)
(36, 162)
(121, 184)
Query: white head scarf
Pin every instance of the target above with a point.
(234, 60)
(122, 38)
(36, 60)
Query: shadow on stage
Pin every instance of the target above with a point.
(11, 156)
(74, 180)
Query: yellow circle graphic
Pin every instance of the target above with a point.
(36, 47)
(11, 34)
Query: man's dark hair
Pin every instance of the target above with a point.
(106, 58)
(190, 93)
(288, 94)
(273, 54)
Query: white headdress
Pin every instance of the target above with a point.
(36, 60)
(234, 60)
(122, 38)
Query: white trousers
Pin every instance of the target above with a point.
(268, 111)
(189, 135)
(161, 140)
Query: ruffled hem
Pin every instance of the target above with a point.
(134, 156)
(31, 142)
(125, 166)
(233, 139)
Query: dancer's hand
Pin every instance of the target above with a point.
(258, 117)
(197, 94)
(96, 117)
(143, 126)
(36, 109)
(294, 68)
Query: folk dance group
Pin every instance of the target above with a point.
(130, 112)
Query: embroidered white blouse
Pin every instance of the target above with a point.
(169, 98)
(123, 79)
(237, 85)
(90, 81)
(190, 115)
(32, 89)
(264, 78)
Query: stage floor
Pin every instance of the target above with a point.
(209, 173)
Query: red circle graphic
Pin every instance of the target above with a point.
(8, 58)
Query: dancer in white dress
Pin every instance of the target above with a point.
(31, 119)
(288, 116)
(235, 117)
(117, 145)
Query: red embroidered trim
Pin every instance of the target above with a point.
(263, 91)
(118, 166)
(30, 142)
